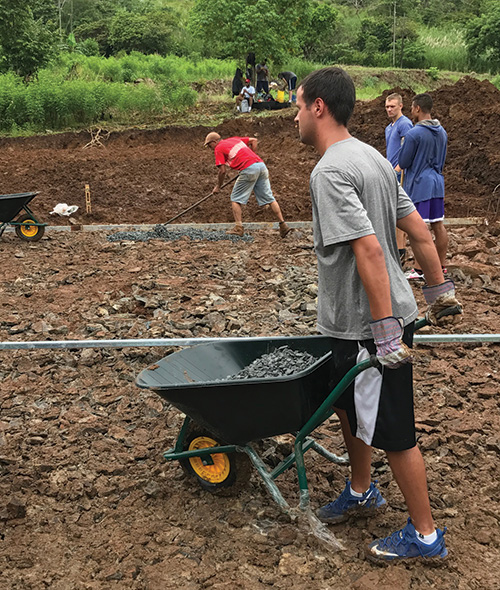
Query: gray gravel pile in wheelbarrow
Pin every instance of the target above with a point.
(167, 233)
(282, 362)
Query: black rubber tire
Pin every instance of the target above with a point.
(239, 466)
(19, 229)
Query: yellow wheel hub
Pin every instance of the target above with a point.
(215, 473)
(28, 228)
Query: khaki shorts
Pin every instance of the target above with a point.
(254, 178)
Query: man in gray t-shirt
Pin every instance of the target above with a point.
(350, 202)
(367, 307)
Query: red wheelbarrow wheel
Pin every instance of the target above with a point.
(29, 230)
(220, 473)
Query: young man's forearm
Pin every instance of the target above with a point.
(370, 262)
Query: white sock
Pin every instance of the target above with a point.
(357, 494)
(427, 539)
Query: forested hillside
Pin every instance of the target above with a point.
(70, 63)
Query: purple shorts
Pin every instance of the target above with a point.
(431, 210)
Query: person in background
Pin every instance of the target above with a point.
(422, 158)
(394, 136)
(237, 83)
(291, 81)
(366, 306)
(239, 153)
(262, 77)
(248, 93)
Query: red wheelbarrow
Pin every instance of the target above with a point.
(26, 226)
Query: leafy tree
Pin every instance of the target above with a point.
(45, 11)
(375, 34)
(26, 43)
(483, 36)
(147, 33)
(272, 29)
(319, 34)
(75, 13)
(99, 32)
(155, 31)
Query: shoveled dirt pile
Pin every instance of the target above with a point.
(150, 176)
(87, 501)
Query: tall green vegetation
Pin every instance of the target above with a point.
(445, 48)
(79, 91)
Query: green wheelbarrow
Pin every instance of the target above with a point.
(224, 416)
(26, 226)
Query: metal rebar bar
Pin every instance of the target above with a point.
(156, 342)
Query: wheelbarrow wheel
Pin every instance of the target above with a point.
(29, 231)
(221, 473)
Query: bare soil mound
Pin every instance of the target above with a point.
(150, 176)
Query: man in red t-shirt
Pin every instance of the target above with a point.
(239, 153)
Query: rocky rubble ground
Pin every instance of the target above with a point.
(86, 500)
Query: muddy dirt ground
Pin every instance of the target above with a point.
(150, 176)
(87, 501)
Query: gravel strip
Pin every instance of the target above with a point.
(282, 362)
(167, 233)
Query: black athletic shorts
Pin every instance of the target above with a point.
(262, 85)
(379, 403)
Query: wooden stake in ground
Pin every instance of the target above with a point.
(88, 204)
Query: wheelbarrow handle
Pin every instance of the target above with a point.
(453, 310)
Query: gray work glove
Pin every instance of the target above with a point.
(439, 298)
(392, 352)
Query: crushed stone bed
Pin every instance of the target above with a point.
(282, 362)
(162, 232)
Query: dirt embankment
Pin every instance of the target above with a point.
(150, 176)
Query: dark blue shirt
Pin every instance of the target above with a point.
(422, 158)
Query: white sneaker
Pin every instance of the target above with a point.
(249, 109)
(238, 109)
(414, 275)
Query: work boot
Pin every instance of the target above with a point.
(237, 230)
(284, 229)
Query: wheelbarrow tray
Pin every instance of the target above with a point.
(12, 205)
(237, 411)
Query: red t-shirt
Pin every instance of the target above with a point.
(235, 152)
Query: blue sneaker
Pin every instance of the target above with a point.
(347, 505)
(405, 544)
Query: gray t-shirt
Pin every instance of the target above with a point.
(355, 193)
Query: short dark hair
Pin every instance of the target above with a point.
(424, 101)
(335, 87)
